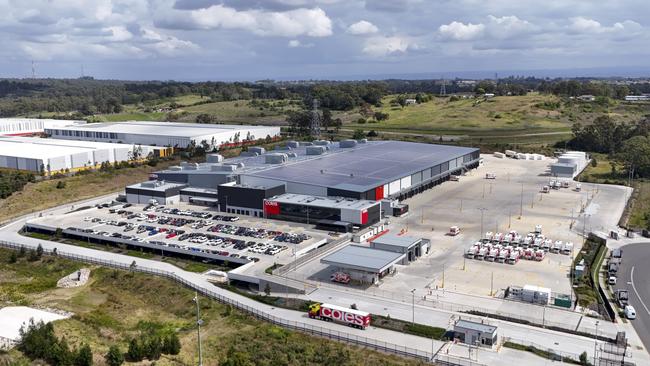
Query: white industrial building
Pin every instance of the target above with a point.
(172, 134)
(32, 126)
(50, 155)
(569, 164)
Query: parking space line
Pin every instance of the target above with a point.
(636, 292)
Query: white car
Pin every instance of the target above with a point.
(630, 313)
(87, 218)
(612, 280)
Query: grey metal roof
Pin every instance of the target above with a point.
(483, 328)
(363, 258)
(363, 167)
(328, 202)
(397, 241)
(176, 129)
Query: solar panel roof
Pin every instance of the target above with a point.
(364, 167)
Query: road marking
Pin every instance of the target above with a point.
(636, 292)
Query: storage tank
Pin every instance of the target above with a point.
(257, 149)
(347, 143)
(275, 158)
(315, 150)
(214, 158)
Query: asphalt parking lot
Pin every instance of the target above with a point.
(186, 229)
(633, 276)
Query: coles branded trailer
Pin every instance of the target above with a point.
(328, 312)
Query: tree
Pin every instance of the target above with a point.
(39, 251)
(267, 289)
(380, 116)
(172, 345)
(135, 353)
(22, 251)
(114, 357)
(13, 258)
(153, 348)
(636, 155)
(206, 118)
(84, 356)
(584, 359)
(358, 134)
(60, 184)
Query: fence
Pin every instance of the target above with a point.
(545, 352)
(285, 323)
(449, 360)
(433, 301)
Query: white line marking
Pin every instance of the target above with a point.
(636, 292)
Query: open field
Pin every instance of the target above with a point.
(116, 306)
(44, 194)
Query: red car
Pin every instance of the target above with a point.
(170, 235)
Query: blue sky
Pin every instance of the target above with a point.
(292, 39)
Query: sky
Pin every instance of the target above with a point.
(322, 39)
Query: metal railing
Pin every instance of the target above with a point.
(285, 323)
(551, 353)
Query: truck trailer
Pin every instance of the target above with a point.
(333, 313)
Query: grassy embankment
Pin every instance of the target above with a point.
(637, 214)
(117, 305)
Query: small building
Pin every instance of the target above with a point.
(475, 334)
(410, 101)
(412, 247)
(536, 295)
(165, 193)
(363, 264)
(246, 199)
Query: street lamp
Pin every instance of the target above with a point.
(413, 307)
(199, 321)
(596, 341)
(482, 209)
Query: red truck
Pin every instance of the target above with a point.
(328, 312)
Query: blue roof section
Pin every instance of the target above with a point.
(365, 166)
(363, 258)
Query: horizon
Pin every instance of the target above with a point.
(322, 39)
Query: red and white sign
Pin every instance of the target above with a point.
(349, 316)
(271, 208)
(364, 217)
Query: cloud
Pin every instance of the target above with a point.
(385, 46)
(117, 34)
(390, 6)
(362, 28)
(458, 31)
(297, 22)
(583, 25)
(294, 43)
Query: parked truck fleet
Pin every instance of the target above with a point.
(511, 247)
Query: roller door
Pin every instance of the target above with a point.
(416, 178)
(393, 187)
(405, 183)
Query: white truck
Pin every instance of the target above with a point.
(567, 248)
(513, 257)
(539, 255)
(557, 246)
(503, 255)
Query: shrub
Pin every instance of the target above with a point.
(114, 357)
(60, 184)
(361, 121)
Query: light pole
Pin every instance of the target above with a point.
(198, 326)
(482, 209)
(596, 341)
(413, 306)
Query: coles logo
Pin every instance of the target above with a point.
(343, 316)
(270, 203)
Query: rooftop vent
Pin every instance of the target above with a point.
(347, 143)
(275, 158)
(293, 144)
(214, 158)
(315, 150)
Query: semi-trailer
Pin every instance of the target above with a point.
(333, 313)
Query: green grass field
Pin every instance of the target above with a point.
(116, 305)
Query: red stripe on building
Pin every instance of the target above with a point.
(271, 208)
(364, 217)
(379, 193)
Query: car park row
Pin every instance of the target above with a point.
(511, 247)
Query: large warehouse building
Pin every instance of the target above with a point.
(334, 185)
(171, 134)
(32, 126)
(50, 155)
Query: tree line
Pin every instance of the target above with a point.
(39, 342)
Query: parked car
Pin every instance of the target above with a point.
(630, 312)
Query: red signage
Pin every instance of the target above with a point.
(364, 217)
(345, 317)
(271, 208)
(379, 193)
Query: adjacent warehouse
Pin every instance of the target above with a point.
(170, 134)
(32, 126)
(569, 164)
(51, 156)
